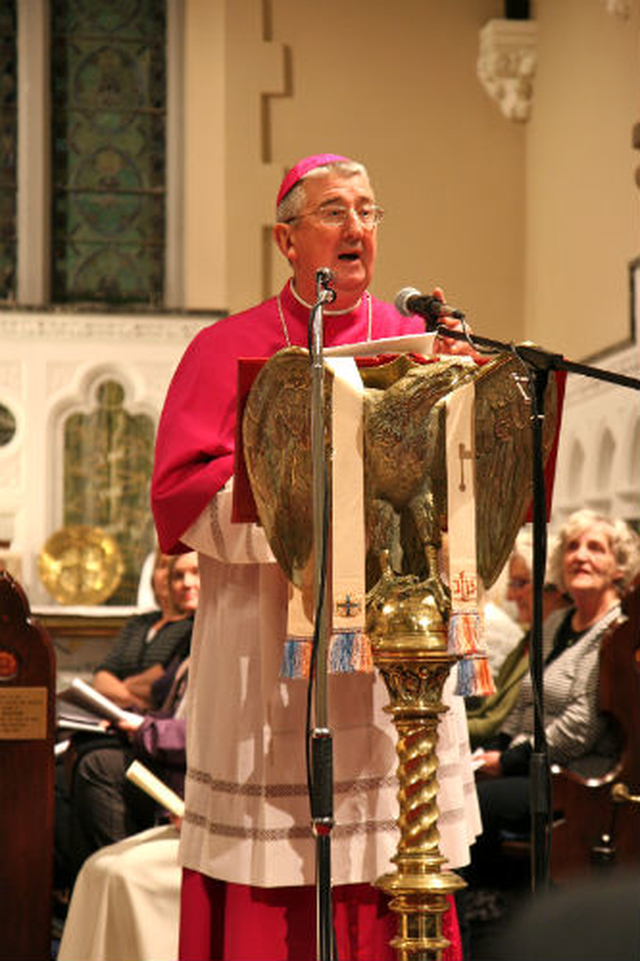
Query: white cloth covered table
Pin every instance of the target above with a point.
(126, 902)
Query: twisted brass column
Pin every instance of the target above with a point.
(409, 643)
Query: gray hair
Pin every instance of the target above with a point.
(523, 547)
(624, 543)
(293, 202)
(523, 550)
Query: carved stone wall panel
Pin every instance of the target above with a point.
(52, 363)
(618, 8)
(11, 377)
(94, 328)
(155, 376)
(60, 374)
(507, 62)
(11, 472)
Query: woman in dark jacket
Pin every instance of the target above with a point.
(104, 806)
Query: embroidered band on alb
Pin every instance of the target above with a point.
(349, 649)
(465, 635)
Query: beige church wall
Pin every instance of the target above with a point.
(509, 217)
(229, 72)
(205, 222)
(529, 226)
(582, 202)
(395, 87)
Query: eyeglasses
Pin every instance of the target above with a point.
(368, 216)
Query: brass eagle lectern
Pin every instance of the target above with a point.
(408, 604)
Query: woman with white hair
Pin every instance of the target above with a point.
(594, 561)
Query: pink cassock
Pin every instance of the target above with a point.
(264, 918)
(196, 436)
(215, 923)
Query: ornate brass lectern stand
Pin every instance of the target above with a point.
(407, 603)
(409, 643)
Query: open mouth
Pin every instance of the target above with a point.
(350, 257)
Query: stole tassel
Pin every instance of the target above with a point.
(349, 653)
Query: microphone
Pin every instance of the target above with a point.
(325, 293)
(410, 301)
(324, 276)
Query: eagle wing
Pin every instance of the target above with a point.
(276, 434)
(277, 448)
(504, 445)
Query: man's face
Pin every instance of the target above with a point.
(348, 250)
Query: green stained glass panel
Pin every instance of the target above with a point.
(7, 425)
(108, 81)
(108, 458)
(8, 149)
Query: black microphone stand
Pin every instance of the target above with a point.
(320, 765)
(538, 364)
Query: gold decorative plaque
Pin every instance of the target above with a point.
(23, 714)
(80, 565)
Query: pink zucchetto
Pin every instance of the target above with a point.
(302, 168)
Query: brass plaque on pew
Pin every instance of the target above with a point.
(23, 713)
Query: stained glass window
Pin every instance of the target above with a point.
(8, 425)
(108, 456)
(8, 151)
(108, 91)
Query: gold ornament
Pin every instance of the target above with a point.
(80, 565)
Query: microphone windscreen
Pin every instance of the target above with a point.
(402, 300)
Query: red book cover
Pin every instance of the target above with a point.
(243, 509)
(550, 466)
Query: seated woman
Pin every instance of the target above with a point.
(594, 561)
(104, 807)
(487, 717)
(148, 641)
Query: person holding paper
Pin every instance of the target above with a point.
(94, 805)
(105, 807)
(148, 641)
(247, 845)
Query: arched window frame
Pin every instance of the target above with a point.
(33, 218)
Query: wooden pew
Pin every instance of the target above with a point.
(27, 712)
(599, 825)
